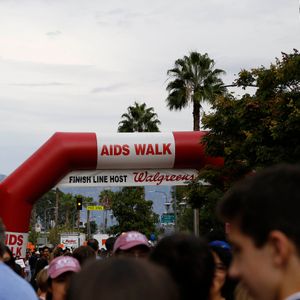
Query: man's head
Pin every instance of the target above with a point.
(94, 244)
(263, 213)
(131, 243)
(45, 252)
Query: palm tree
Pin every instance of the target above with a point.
(139, 118)
(195, 81)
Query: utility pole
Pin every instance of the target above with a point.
(56, 206)
(196, 222)
(88, 224)
(78, 219)
(175, 208)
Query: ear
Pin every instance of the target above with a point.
(282, 247)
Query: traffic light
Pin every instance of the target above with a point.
(79, 203)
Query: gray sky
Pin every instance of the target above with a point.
(71, 65)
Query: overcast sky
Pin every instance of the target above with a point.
(72, 65)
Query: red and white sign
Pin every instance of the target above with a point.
(136, 151)
(70, 151)
(70, 241)
(17, 243)
(128, 177)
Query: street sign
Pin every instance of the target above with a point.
(95, 207)
(168, 218)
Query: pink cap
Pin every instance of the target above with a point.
(62, 264)
(129, 240)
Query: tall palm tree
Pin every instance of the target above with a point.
(195, 81)
(139, 118)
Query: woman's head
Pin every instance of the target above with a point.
(60, 271)
(190, 262)
(222, 284)
(120, 278)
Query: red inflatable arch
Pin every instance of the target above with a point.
(66, 152)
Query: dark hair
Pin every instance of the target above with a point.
(109, 243)
(225, 255)
(266, 201)
(83, 254)
(122, 278)
(190, 262)
(12, 262)
(93, 243)
(44, 248)
(7, 250)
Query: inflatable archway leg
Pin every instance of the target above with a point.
(62, 153)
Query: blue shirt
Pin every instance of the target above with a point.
(14, 287)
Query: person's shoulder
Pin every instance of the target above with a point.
(13, 286)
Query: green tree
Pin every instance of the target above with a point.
(105, 199)
(195, 81)
(43, 209)
(67, 209)
(129, 206)
(184, 212)
(54, 235)
(139, 118)
(33, 235)
(93, 227)
(253, 131)
(90, 226)
(263, 129)
(133, 212)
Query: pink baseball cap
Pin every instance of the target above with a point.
(62, 264)
(129, 240)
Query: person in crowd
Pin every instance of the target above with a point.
(42, 283)
(84, 254)
(67, 251)
(102, 253)
(223, 286)
(56, 252)
(9, 260)
(32, 261)
(12, 286)
(60, 272)
(121, 278)
(41, 263)
(109, 245)
(132, 243)
(27, 271)
(264, 230)
(94, 244)
(190, 263)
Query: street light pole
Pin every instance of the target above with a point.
(197, 214)
(167, 204)
(45, 215)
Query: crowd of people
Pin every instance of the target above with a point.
(259, 260)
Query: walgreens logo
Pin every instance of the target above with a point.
(159, 178)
